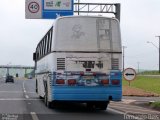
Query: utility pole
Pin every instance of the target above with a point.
(159, 52)
(78, 6)
(138, 66)
(123, 56)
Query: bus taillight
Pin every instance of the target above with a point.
(72, 82)
(105, 82)
(115, 82)
(81, 73)
(60, 81)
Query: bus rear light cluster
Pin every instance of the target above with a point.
(115, 82)
(72, 82)
(81, 73)
(60, 81)
(105, 82)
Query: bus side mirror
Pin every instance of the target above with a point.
(34, 56)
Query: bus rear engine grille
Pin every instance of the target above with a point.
(60, 63)
(115, 64)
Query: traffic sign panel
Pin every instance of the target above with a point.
(48, 9)
(129, 74)
(33, 9)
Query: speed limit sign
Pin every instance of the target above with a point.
(33, 7)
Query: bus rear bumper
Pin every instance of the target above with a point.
(87, 94)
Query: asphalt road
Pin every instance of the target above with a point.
(18, 101)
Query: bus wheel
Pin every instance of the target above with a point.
(47, 103)
(90, 106)
(102, 105)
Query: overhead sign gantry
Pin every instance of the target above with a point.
(105, 8)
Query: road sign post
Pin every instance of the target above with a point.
(129, 74)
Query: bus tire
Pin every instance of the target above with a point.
(47, 103)
(90, 106)
(40, 97)
(102, 105)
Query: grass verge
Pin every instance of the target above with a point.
(148, 84)
(155, 105)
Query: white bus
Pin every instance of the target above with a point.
(79, 59)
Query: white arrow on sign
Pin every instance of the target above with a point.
(129, 74)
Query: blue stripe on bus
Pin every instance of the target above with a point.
(71, 93)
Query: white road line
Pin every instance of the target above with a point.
(23, 85)
(11, 92)
(126, 115)
(1, 99)
(127, 101)
(17, 92)
(27, 96)
(24, 91)
(114, 110)
(34, 116)
(133, 109)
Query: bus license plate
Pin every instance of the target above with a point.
(88, 77)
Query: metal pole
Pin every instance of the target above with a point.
(159, 52)
(138, 66)
(7, 71)
(123, 56)
(78, 6)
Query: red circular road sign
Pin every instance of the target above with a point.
(33, 7)
(129, 74)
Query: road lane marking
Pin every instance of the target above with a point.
(11, 92)
(4, 99)
(34, 116)
(24, 91)
(27, 96)
(23, 85)
(17, 92)
(127, 101)
(114, 110)
(132, 109)
(128, 114)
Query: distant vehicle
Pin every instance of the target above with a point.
(29, 76)
(9, 78)
(79, 60)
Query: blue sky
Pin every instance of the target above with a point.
(140, 22)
